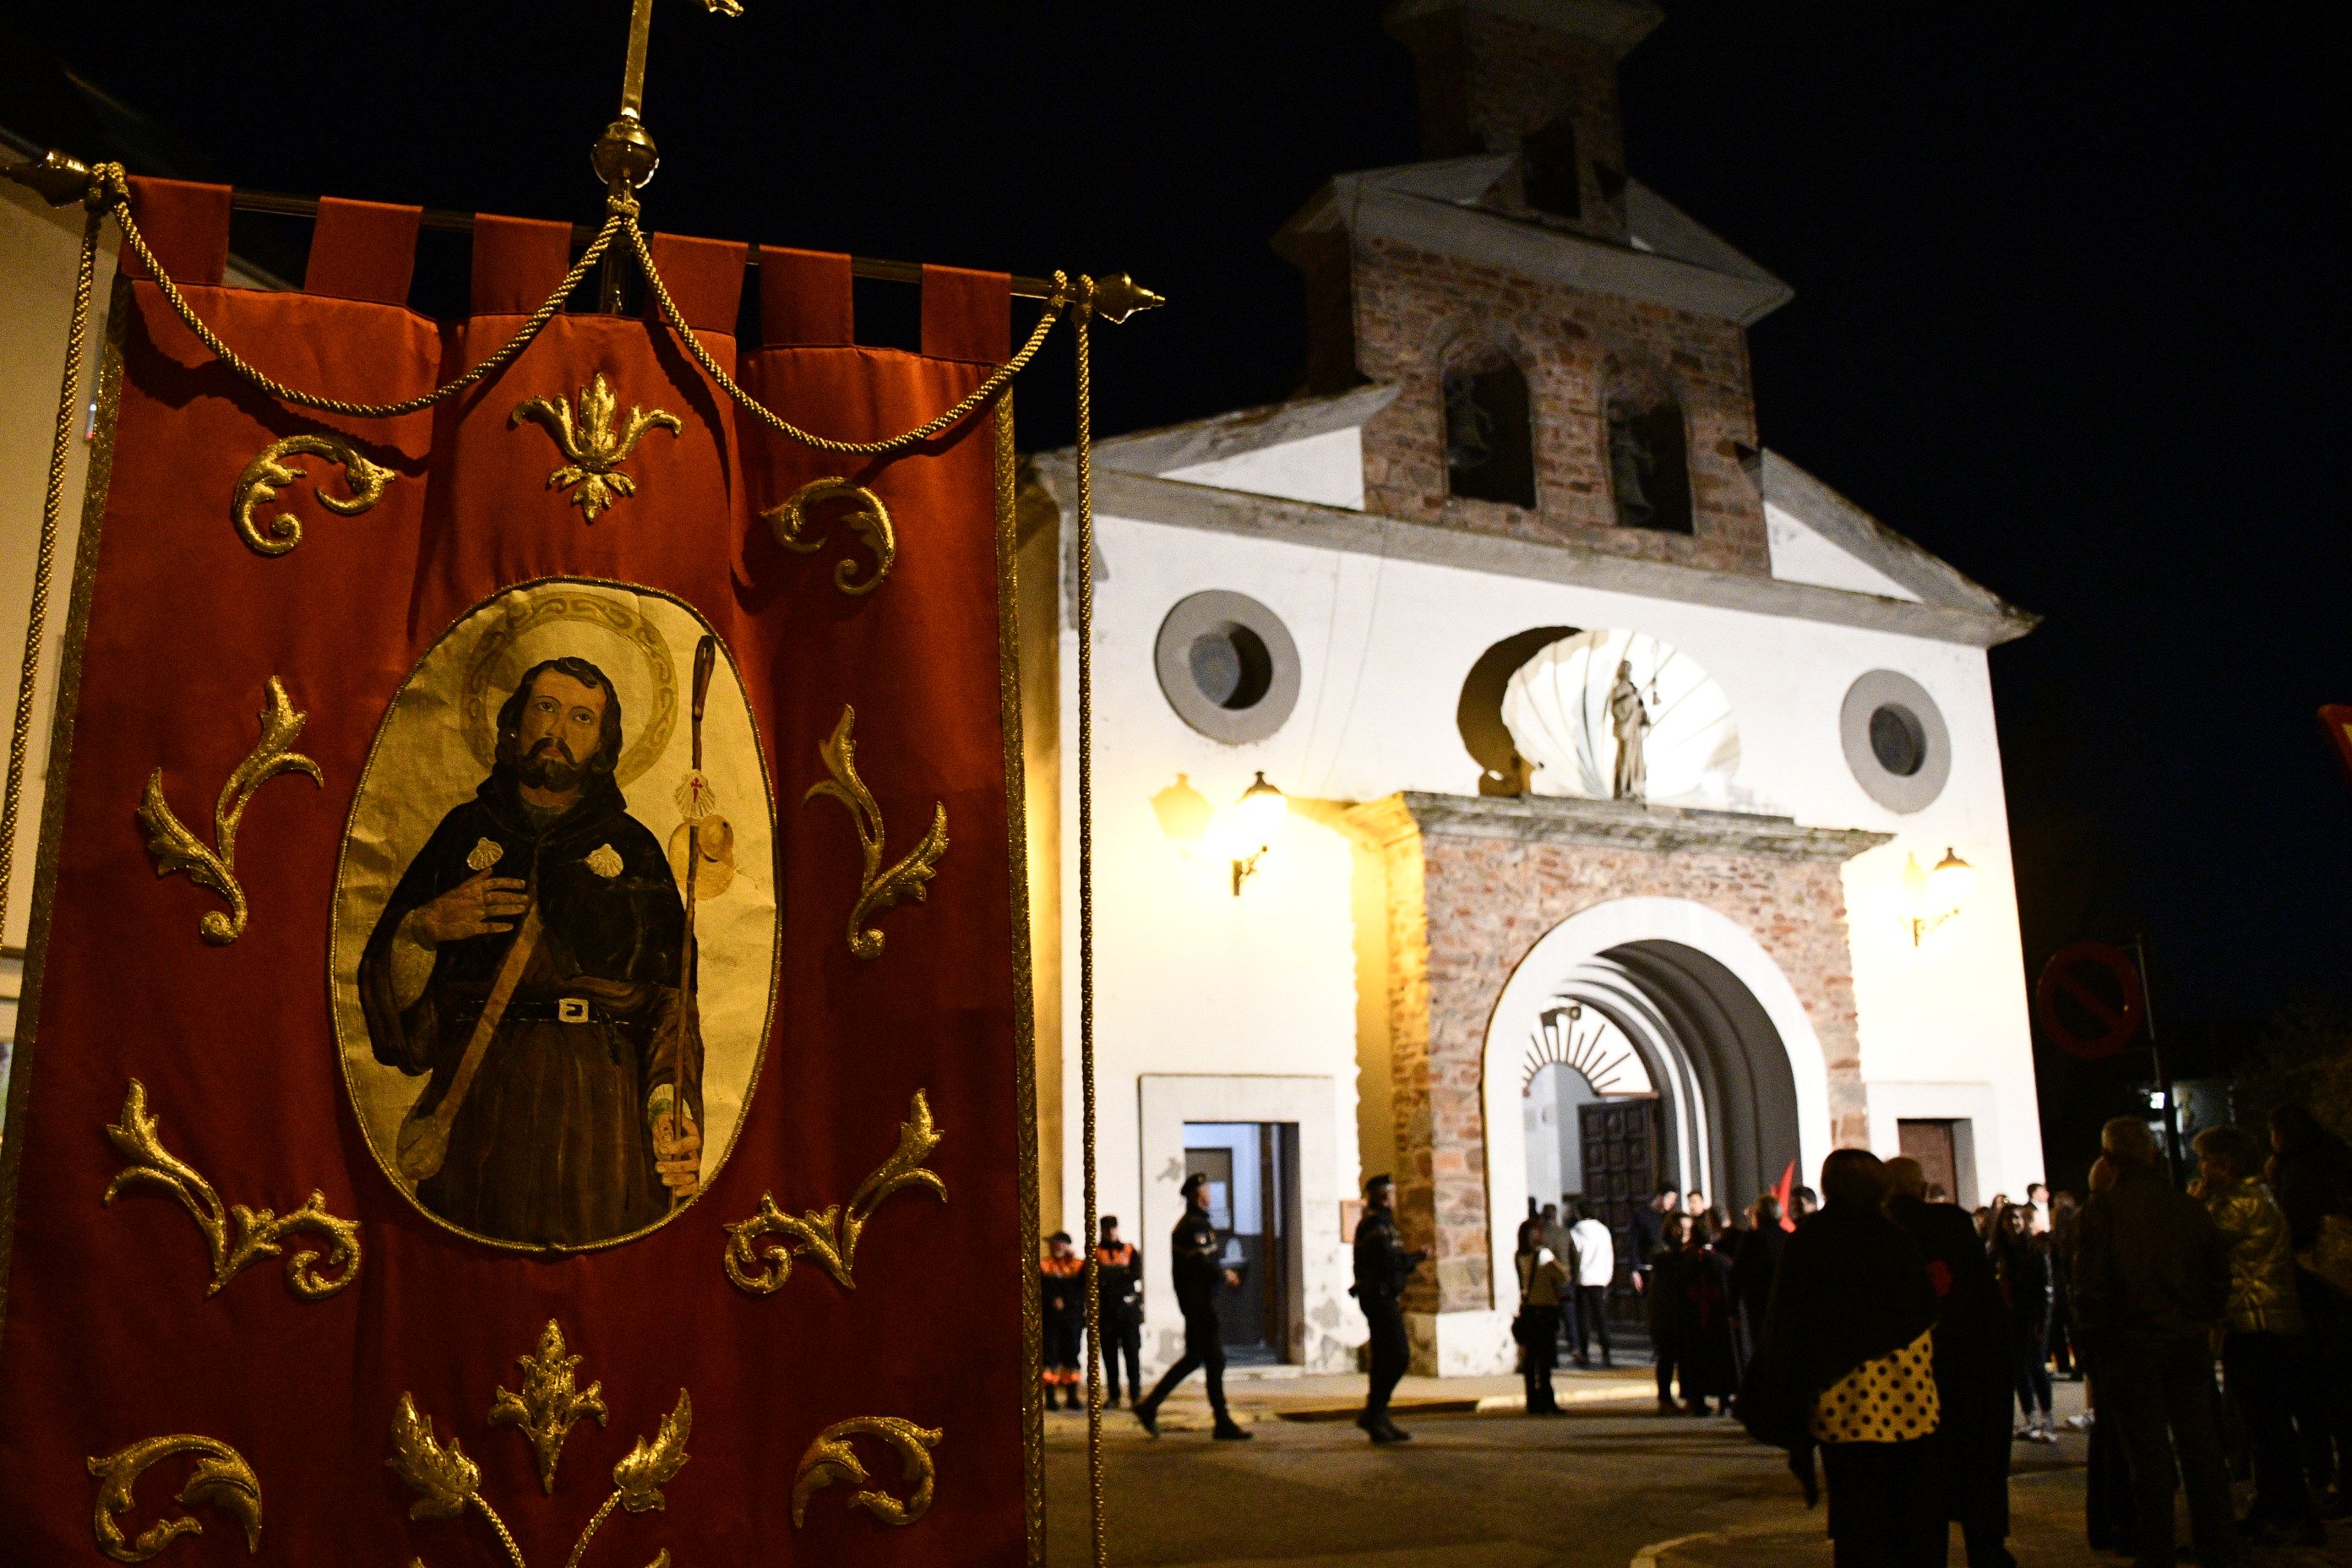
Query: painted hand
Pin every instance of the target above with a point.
(677, 1156)
(481, 905)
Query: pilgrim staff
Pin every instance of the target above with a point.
(698, 803)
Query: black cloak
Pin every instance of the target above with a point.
(553, 1144)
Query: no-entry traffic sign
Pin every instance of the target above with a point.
(2089, 999)
(2335, 719)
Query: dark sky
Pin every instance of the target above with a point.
(2066, 312)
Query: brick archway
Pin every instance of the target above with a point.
(1473, 885)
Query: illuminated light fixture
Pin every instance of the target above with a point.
(1184, 813)
(1936, 896)
(1254, 819)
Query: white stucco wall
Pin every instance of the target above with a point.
(1193, 980)
(1801, 555)
(1328, 470)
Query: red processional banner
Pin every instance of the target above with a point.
(525, 1046)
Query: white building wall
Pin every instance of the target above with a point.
(1801, 555)
(1328, 470)
(1193, 980)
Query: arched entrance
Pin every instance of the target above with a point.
(1718, 1043)
(1716, 940)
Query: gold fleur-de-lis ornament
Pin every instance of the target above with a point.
(593, 445)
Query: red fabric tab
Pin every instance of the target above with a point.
(362, 250)
(967, 315)
(518, 262)
(185, 225)
(705, 276)
(804, 298)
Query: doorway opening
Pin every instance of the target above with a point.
(1690, 1076)
(1252, 1174)
(1946, 1150)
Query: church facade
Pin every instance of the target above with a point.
(1506, 775)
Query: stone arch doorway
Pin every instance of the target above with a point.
(1492, 906)
(1723, 1048)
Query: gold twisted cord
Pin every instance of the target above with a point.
(20, 733)
(118, 195)
(783, 427)
(1083, 318)
(110, 186)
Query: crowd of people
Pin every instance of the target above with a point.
(1880, 1334)
(1898, 1334)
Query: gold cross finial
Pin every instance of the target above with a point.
(624, 157)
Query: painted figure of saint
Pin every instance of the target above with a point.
(1629, 720)
(557, 1024)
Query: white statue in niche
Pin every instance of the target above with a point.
(1628, 720)
(1616, 714)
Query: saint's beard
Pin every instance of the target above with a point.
(549, 766)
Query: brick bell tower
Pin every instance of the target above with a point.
(1569, 351)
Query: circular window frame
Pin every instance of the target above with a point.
(1904, 793)
(1195, 616)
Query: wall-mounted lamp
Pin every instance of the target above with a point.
(1184, 813)
(1253, 818)
(1936, 896)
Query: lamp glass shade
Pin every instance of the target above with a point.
(1952, 881)
(1915, 881)
(1184, 812)
(1259, 811)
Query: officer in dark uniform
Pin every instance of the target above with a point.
(1196, 1268)
(1062, 1313)
(1120, 1268)
(1382, 1265)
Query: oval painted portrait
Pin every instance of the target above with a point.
(554, 952)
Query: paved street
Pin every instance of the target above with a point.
(1609, 1483)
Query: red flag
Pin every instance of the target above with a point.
(425, 961)
(1781, 1189)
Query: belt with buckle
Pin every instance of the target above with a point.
(552, 1010)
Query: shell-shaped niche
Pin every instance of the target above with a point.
(1556, 708)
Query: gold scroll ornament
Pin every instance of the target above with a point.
(878, 889)
(259, 486)
(866, 517)
(222, 1481)
(549, 1403)
(593, 445)
(830, 1458)
(175, 849)
(311, 1273)
(830, 1236)
(447, 1482)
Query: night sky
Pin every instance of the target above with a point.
(2065, 314)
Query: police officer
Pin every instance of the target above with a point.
(1382, 1265)
(1196, 1268)
(1120, 1268)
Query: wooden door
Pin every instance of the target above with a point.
(1623, 1162)
(1932, 1144)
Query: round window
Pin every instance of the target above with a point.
(1896, 741)
(1226, 664)
(1231, 667)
